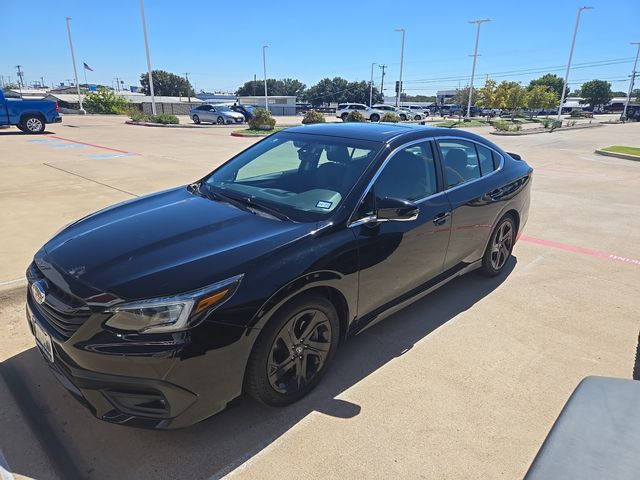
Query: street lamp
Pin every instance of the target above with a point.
(75, 70)
(475, 58)
(264, 66)
(401, 62)
(566, 75)
(633, 78)
(371, 86)
(146, 47)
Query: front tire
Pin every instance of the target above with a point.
(33, 124)
(293, 351)
(375, 117)
(196, 119)
(344, 117)
(500, 247)
(220, 121)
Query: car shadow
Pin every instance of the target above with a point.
(10, 132)
(79, 446)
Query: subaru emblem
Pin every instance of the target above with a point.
(38, 291)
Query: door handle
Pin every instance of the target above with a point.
(496, 194)
(441, 218)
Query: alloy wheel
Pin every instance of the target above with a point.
(34, 125)
(502, 244)
(299, 351)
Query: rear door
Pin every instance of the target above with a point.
(398, 257)
(474, 197)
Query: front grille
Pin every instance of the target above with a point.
(64, 312)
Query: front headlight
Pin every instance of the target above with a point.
(170, 314)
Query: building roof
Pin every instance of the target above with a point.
(65, 97)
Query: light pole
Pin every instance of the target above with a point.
(475, 58)
(398, 93)
(75, 70)
(146, 47)
(566, 75)
(264, 66)
(633, 78)
(371, 86)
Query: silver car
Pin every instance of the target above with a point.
(220, 114)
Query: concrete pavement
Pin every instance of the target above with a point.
(464, 384)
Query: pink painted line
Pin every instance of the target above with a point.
(92, 145)
(581, 250)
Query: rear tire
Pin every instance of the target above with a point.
(499, 248)
(375, 117)
(33, 124)
(293, 351)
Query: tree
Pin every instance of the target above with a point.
(552, 81)
(10, 86)
(541, 96)
(292, 87)
(167, 84)
(462, 97)
(487, 95)
(511, 95)
(104, 101)
(596, 93)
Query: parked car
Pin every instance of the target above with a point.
(403, 113)
(220, 114)
(424, 111)
(371, 114)
(158, 311)
(30, 116)
(245, 110)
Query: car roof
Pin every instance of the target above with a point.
(381, 132)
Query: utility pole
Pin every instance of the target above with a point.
(371, 87)
(399, 92)
(382, 67)
(264, 65)
(42, 82)
(186, 75)
(255, 81)
(75, 70)
(20, 78)
(566, 75)
(633, 78)
(475, 58)
(117, 79)
(146, 47)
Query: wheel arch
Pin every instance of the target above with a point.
(35, 113)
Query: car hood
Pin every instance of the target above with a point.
(166, 243)
(233, 114)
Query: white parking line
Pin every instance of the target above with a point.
(11, 282)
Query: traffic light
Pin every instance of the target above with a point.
(398, 87)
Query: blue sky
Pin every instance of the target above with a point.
(219, 43)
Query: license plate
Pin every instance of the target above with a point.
(43, 340)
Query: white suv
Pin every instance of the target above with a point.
(372, 114)
(403, 113)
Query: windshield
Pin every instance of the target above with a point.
(305, 177)
(222, 108)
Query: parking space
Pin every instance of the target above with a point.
(465, 383)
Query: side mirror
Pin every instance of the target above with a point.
(396, 210)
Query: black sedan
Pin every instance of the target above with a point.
(159, 311)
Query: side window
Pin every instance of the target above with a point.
(460, 161)
(486, 160)
(360, 107)
(409, 175)
(496, 160)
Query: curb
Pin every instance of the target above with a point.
(178, 125)
(546, 130)
(626, 156)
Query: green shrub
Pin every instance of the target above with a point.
(137, 115)
(104, 101)
(165, 118)
(547, 122)
(355, 116)
(262, 120)
(504, 126)
(390, 117)
(311, 116)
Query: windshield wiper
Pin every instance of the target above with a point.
(248, 203)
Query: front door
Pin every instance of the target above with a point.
(397, 257)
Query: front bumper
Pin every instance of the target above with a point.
(163, 384)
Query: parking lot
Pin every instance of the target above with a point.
(463, 384)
